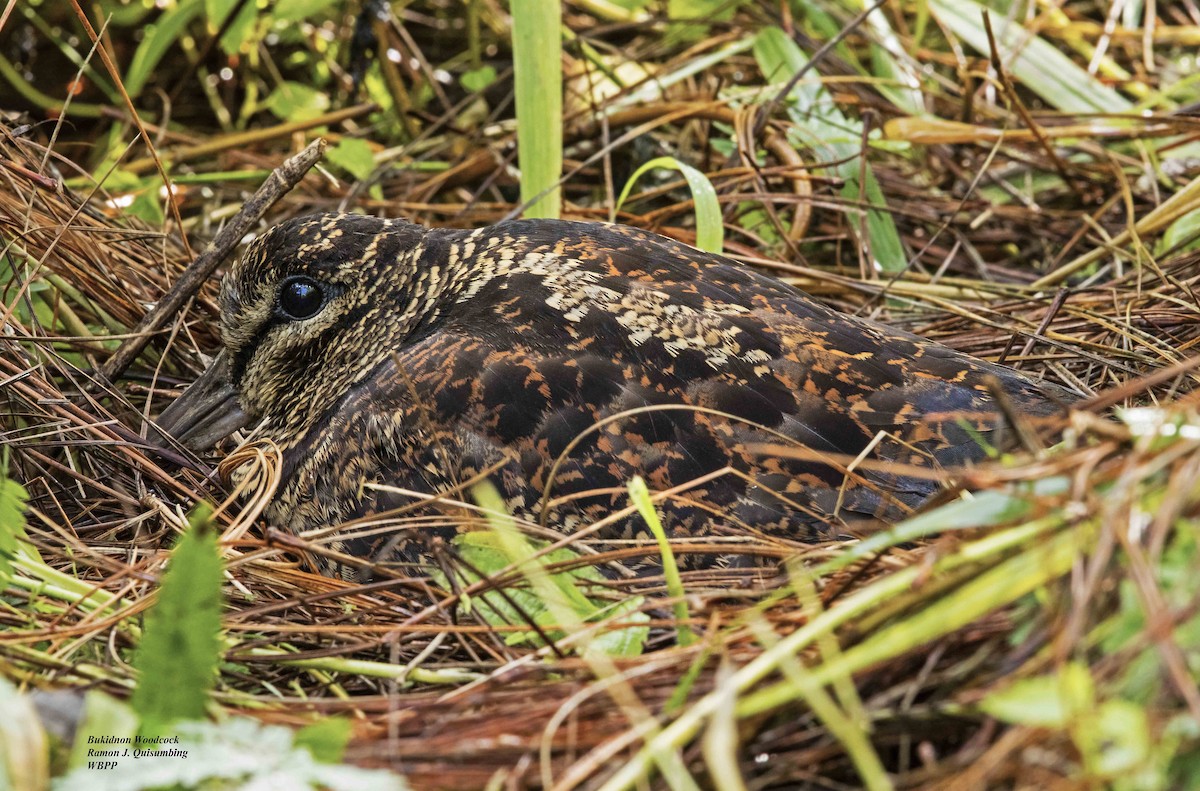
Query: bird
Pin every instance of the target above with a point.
(559, 359)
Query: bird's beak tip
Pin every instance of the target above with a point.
(207, 412)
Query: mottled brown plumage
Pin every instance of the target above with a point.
(433, 355)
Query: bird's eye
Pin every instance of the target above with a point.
(300, 298)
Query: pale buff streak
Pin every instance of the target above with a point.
(645, 313)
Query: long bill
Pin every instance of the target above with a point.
(207, 412)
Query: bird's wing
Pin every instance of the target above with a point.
(664, 362)
(576, 426)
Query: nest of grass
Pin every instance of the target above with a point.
(915, 652)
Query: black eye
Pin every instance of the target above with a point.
(300, 298)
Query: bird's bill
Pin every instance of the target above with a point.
(207, 412)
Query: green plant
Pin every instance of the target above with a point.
(537, 47)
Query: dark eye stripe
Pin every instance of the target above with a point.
(241, 360)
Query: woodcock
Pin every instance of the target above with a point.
(559, 359)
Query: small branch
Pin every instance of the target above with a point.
(278, 184)
(1031, 123)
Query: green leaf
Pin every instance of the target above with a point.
(294, 101)
(821, 127)
(886, 248)
(326, 739)
(1120, 739)
(710, 230)
(779, 58)
(181, 645)
(142, 194)
(701, 11)
(1044, 701)
(555, 601)
(297, 10)
(476, 80)
(147, 207)
(537, 68)
(484, 551)
(899, 81)
(157, 40)
(239, 31)
(12, 524)
(118, 180)
(629, 640)
(692, 20)
(1181, 236)
(755, 220)
(353, 156)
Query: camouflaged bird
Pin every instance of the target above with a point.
(560, 359)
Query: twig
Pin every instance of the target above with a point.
(252, 137)
(1014, 98)
(283, 179)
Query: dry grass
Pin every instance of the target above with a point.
(1061, 550)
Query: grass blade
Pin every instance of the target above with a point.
(12, 523)
(710, 232)
(537, 47)
(822, 128)
(641, 498)
(160, 37)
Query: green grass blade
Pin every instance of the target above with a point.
(641, 498)
(900, 80)
(653, 90)
(994, 588)
(159, 39)
(710, 232)
(553, 600)
(852, 734)
(821, 127)
(326, 738)
(721, 741)
(537, 63)
(12, 524)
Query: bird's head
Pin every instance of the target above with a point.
(313, 306)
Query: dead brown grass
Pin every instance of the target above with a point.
(469, 709)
